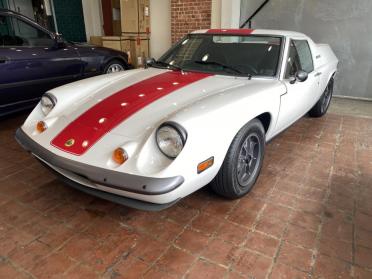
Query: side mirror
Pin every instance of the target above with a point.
(301, 76)
(59, 42)
(149, 62)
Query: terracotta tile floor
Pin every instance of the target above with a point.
(309, 216)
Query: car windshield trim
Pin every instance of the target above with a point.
(165, 65)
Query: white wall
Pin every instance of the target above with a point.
(216, 14)
(160, 27)
(345, 25)
(93, 18)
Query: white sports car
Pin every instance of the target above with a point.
(200, 115)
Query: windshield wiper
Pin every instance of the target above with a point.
(168, 65)
(220, 64)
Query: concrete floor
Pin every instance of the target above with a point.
(309, 216)
(344, 106)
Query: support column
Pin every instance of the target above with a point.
(230, 13)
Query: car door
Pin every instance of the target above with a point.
(300, 96)
(31, 63)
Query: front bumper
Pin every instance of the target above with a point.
(75, 173)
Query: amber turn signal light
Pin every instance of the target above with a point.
(41, 126)
(205, 165)
(119, 156)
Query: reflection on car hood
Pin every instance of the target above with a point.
(138, 102)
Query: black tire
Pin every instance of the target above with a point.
(321, 107)
(120, 66)
(229, 181)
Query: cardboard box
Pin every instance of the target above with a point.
(96, 40)
(144, 16)
(116, 27)
(137, 48)
(135, 17)
(113, 42)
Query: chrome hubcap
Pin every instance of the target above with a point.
(114, 68)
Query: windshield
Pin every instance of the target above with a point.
(232, 55)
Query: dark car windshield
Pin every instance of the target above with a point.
(226, 54)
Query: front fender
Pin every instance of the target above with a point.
(213, 122)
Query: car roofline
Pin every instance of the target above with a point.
(25, 18)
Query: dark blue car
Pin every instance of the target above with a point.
(34, 60)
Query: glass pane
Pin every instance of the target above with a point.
(31, 35)
(225, 54)
(7, 36)
(293, 62)
(304, 53)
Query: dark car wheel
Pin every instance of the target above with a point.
(243, 162)
(321, 107)
(114, 66)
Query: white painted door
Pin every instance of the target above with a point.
(300, 96)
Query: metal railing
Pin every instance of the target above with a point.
(249, 20)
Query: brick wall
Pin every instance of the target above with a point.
(189, 15)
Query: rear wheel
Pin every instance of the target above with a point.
(321, 107)
(243, 162)
(114, 66)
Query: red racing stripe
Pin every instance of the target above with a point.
(230, 31)
(88, 128)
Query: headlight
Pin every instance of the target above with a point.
(171, 139)
(48, 102)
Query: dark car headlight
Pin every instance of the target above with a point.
(48, 102)
(171, 138)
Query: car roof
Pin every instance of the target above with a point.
(245, 31)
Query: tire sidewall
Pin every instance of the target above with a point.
(112, 62)
(252, 128)
(329, 87)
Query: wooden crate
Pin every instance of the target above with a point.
(135, 17)
(137, 47)
(96, 40)
(113, 42)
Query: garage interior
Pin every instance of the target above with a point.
(308, 216)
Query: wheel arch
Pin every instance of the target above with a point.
(265, 118)
(332, 75)
(117, 58)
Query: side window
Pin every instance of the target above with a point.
(7, 35)
(299, 58)
(30, 35)
(304, 53)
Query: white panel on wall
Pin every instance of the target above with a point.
(92, 18)
(230, 13)
(216, 14)
(160, 26)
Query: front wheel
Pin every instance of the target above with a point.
(243, 162)
(321, 107)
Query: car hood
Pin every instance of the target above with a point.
(134, 104)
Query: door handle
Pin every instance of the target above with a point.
(318, 74)
(4, 59)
